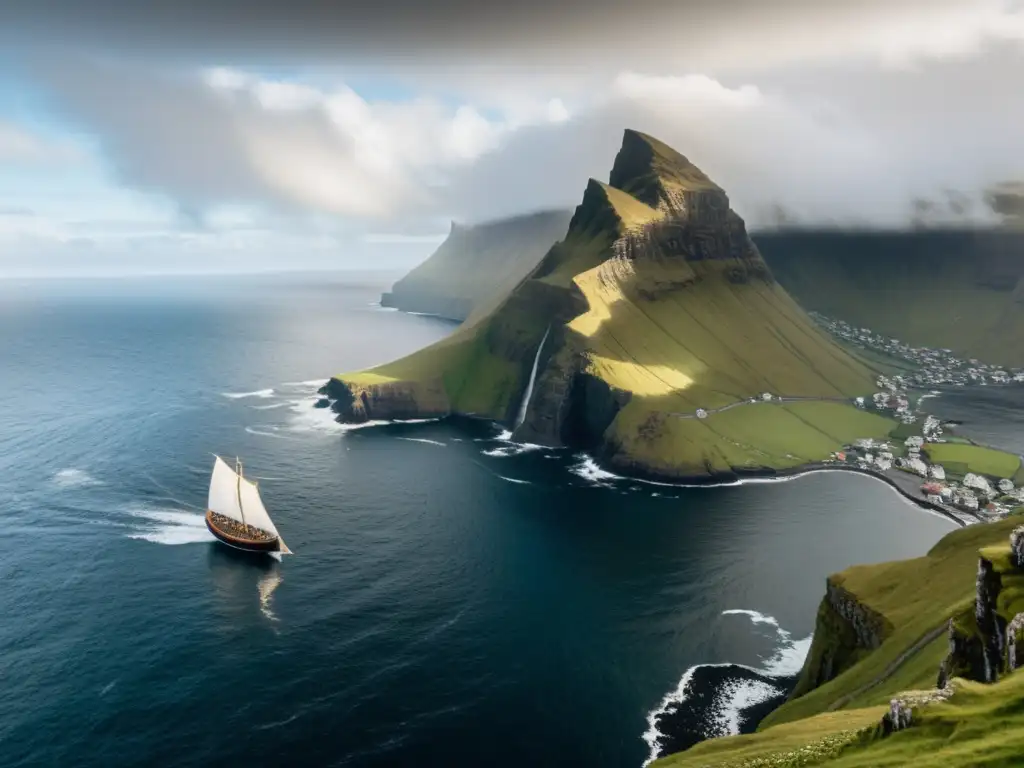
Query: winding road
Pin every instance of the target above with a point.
(893, 666)
(755, 401)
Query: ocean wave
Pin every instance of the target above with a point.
(305, 384)
(724, 713)
(511, 450)
(732, 699)
(169, 526)
(307, 418)
(514, 480)
(268, 431)
(262, 393)
(270, 407)
(74, 478)
(423, 440)
(588, 469)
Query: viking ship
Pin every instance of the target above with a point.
(235, 513)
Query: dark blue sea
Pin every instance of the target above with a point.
(453, 599)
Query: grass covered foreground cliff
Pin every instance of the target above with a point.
(648, 335)
(913, 662)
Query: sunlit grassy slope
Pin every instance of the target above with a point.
(656, 291)
(834, 722)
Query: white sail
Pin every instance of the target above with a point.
(223, 498)
(252, 507)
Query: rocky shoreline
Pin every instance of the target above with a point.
(907, 487)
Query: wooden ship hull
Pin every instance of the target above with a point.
(244, 544)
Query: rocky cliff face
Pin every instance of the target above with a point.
(476, 265)
(983, 641)
(844, 632)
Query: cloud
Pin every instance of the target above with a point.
(16, 211)
(231, 137)
(861, 155)
(601, 36)
(22, 147)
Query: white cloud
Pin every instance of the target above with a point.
(230, 136)
(22, 146)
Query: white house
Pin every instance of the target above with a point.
(1006, 486)
(701, 413)
(918, 466)
(864, 442)
(937, 472)
(767, 396)
(977, 483)
(914, 441)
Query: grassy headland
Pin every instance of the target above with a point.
(884, 630)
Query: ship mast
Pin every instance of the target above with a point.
(238, 487)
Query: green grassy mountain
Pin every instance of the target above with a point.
(956, 289)
(654, 304)
(477, 265)
(898, 631)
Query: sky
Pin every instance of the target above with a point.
(220, 136)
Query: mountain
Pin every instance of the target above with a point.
(654, 304)
(477, 265)
(956, 289)
(936, 639)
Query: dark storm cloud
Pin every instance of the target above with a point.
(524, 32)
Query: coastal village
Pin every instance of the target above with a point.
(907, 458)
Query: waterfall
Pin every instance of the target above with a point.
(521, 416)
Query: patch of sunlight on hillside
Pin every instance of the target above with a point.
(642, 380)
(631, 211)
(603, 289)
(366, 378)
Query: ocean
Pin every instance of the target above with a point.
(454, 599)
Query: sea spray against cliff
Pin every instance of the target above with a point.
(521, 416)
(738, 688)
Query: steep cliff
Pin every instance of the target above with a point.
(907, 605)
(869, 694)
(477, 265)
(655, 304)
(956, 289)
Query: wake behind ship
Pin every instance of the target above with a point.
(235, 513)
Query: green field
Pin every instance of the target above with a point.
(979, 726)
(978, 459)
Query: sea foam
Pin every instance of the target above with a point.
(74, 478)
(262, 393)
(724, 715)
(168, 526)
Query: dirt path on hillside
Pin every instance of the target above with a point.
(894, 665)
